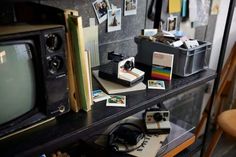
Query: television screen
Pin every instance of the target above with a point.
(17, 81)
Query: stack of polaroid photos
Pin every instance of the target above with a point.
(99, 95)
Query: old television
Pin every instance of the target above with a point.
(33, 78)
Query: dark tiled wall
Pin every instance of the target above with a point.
(121, 41)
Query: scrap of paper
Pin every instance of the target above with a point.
(215, 8)
(174, 6)
(184, 8)
(193, 10)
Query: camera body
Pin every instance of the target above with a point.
(157, 121)
(121, 69)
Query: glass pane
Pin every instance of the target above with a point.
(17, 81)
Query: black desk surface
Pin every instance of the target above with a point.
(71, 126)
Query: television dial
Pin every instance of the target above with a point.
(55, 64)
(61, 108)
(53, 42)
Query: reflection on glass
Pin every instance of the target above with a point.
(2, 57)
(17, 81)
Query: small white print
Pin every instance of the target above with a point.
(130, 7)
(172, 23)
(114, 20)
(156, 84)
(100, 7)
(116, 100)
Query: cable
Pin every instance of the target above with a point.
(127, 150)
(114, 140)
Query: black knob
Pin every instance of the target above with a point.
(129, 65)
(53, 42)
(55, 64)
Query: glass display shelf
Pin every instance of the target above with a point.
(160, 145)
(71, 127)
(181, 133)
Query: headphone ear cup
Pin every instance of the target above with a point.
(110, 140)
(114, 148)
(122, 132)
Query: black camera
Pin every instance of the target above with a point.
(121, 69)
(157, 121)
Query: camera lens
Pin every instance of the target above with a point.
(157, 117)
(129, 65)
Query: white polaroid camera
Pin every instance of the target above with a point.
(121, 69)
(157, 121)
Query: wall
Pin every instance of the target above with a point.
(232, 36)
(218, 34)
(122, 41)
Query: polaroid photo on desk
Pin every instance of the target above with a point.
(116, 101)
(156, 84)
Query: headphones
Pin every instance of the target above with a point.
(127, 135)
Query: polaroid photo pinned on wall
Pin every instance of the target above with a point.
(156, 84)
(130, 7)
(116, 100)
(114, 20)
(172, 23)
(100, 7)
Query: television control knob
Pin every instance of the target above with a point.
(55, 64)
(53, 42)
(62, 108)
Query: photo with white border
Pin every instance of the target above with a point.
(100, 7)
(116, 100)
(172, 23)
(114, 20)
(130, 7)
(156, 84)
